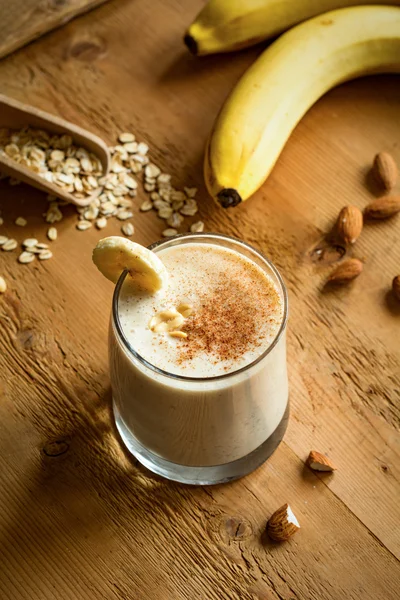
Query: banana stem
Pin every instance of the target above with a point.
(191, 44)
(229, 198)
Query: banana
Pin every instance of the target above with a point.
(277, 90)
(112, 255)
(228, 25)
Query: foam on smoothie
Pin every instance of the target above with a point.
(236, 312)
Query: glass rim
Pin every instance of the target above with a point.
(174, 376)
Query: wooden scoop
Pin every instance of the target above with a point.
(16, 115)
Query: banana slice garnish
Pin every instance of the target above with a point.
(113, 255)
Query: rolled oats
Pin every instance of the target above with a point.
(175, 220)
(197, 227)
(165, 213)
(52, 233)
(128, 229)
(9, 245)
(131, 148)
(101, 223)
(83, 225)
(30, 242)
(124, 214)
(126, 137)
(169, 232)
(26, 257)
(146, 205)
(190, 192)
(45, 255)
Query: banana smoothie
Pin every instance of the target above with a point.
(198, 367)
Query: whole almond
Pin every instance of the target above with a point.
(383, 208)
(282, 524)
(319, 462)
(346, 271)
(385, 170)
(396, 287)
(349, 224)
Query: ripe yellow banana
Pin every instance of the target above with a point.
(227, 25)
(278, 89)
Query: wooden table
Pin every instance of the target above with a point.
(79, 519)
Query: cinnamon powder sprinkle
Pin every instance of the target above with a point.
(231, 319)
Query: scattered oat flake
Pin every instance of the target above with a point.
(130, 182)
(165, 212)
(30, 242)
(146, 205)
(9, 245)
(142, 148)
(197, 227)
(164, 178)
(4, 238)
(190, 192)
(101, 223)
(152, 171)
(26, 257)
(45, 255)
(20, 221)
(123, 215)
(131, 147)
(52, 233)
(175, 220)
(83, 225)
(41, 246)
(169, 232)
(3, 285)
(128, 229)
(126, 137)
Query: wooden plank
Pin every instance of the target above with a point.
(25, 20)
(80, 519)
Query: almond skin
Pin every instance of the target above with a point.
(349, 224)
(319, 462)
(396, 287)
(346, 271)
(385, 170)
(382, 208)
(282, 524)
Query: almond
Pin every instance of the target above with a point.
(319, 462)
(349, 224)
(346, 271)
(283, 524)
(383, 208)
(385, 170)
(396, 287)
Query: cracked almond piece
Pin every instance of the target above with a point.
(319, 462)
(282, 524)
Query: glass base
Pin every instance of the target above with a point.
(201, 475)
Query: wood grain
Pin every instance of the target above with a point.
(79, 518)
(25, 20)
